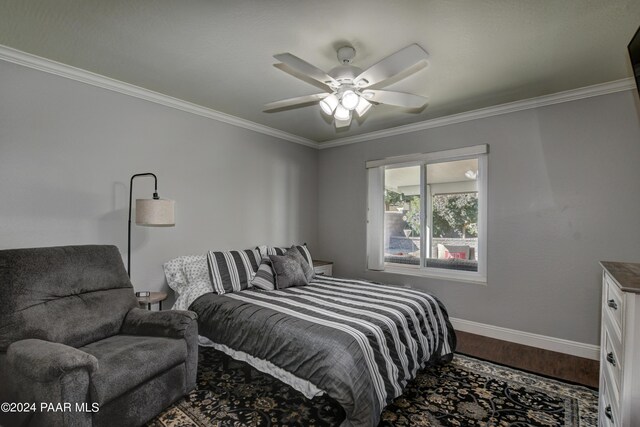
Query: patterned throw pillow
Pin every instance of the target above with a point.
(175, 271)
(288, 269)
(271, 250)
(232, 271)
(192, 292)
(265, 277)
(196, 270)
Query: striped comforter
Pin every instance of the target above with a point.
(358, 341)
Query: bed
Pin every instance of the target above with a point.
(358, 341)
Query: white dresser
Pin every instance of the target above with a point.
(619, 403)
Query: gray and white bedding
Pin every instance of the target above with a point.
(359, 342)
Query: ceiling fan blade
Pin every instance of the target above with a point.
(306, 68)
(399, 99)
(409, 57)
(298, 101)
(298, 75)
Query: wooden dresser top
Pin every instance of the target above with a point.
(626, 274)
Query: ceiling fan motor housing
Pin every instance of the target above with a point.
(346, 54)
(345, 73)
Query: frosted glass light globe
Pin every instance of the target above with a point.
(362, 107)
(329, 104)
(342, 113)
(350, 100)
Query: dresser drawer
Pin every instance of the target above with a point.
(611, 359)
(613, 304)
(607, 406)
(620, 346)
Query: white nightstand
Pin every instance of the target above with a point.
(323, 268)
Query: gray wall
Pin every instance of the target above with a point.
(564, 193)
(67, 151)
(563, 184)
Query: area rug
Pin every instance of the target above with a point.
(466, 392)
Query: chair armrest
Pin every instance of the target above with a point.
(41, 371)
(170, 323)
(45, 361)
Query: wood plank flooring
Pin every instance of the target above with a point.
(536, 360)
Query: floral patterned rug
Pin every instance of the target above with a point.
(466, 392)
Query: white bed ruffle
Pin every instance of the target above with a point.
(303, 386)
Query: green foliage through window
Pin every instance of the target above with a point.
(393, 198)
(455, 215)
(413, 215)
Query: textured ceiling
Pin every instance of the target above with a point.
(218, 54)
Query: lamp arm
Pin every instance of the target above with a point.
(155, 196)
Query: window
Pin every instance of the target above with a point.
(427, 214)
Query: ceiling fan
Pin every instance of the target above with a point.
(348, 88)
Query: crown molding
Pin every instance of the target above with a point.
(511, 107)
(52, 67)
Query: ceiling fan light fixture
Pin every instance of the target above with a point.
(362, 107)
(347, 86)
(349, 99)
(343, 123)
(329, 104)
(342, 113)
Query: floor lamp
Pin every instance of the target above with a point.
(155, 212)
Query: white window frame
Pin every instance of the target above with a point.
(375, 213)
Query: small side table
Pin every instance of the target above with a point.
(154, 298)
(323, 268)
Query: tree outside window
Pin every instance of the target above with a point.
(455, 215)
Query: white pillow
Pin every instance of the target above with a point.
(188, 276)
(197, 270)
(263, 251)
(192, 292)
(174, 271)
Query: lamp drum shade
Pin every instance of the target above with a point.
(155, 212)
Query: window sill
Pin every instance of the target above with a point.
(454, 276)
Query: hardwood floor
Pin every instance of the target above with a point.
(536, 360)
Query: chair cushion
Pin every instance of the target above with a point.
(71, 295)
(126, 361)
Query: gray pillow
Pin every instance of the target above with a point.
(288, 269)
(309, 272)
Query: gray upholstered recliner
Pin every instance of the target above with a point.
(71, 332)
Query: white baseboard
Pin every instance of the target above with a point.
(559, 345)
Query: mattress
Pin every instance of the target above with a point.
(358, 341)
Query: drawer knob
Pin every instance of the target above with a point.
(611, 359)
(608, 412)
(612, 303)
